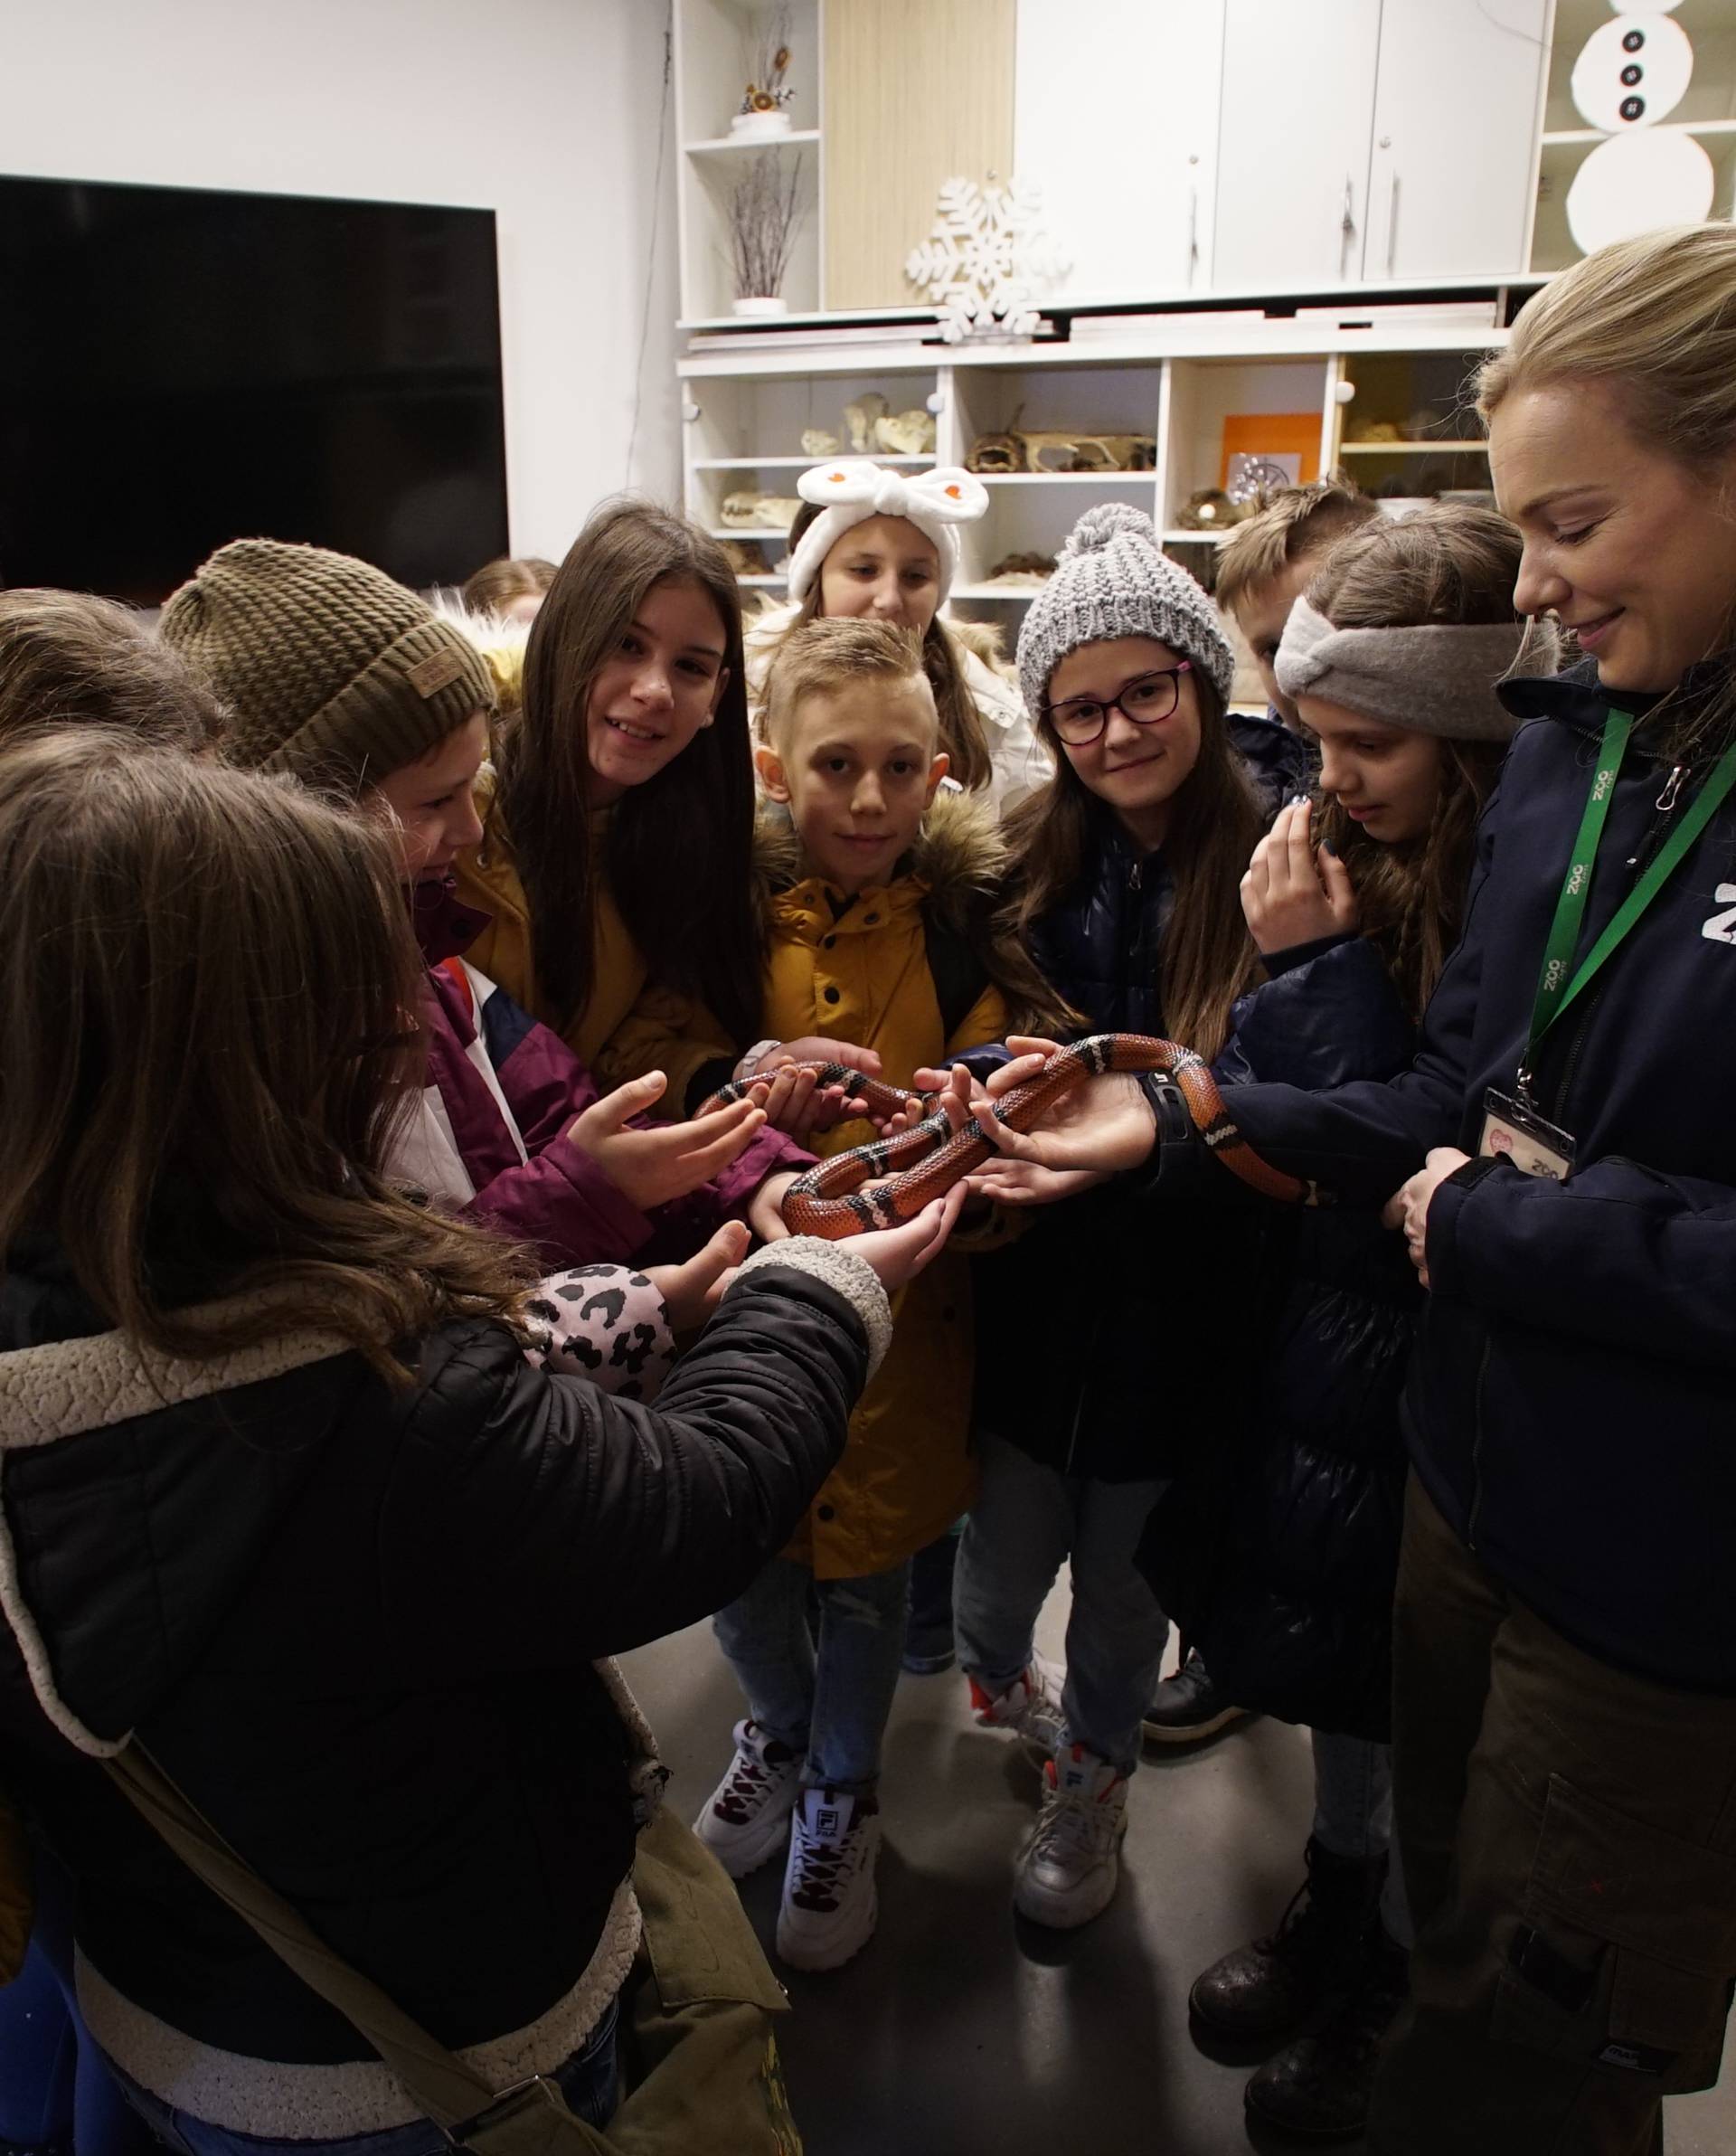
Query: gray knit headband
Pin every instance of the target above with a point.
(1439, 678)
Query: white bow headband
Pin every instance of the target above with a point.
(851, 489)
(1437, 677)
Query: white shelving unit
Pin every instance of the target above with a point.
(744, 414)
(713, 42)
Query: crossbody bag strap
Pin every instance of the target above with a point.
(451, 2094)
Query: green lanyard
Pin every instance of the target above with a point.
(1559, 984)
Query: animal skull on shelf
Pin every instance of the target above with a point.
(905, 434)
(750, 511)
(995, 453)
(862, 417)
(1063, 452)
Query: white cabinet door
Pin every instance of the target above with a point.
(1293, 135)
(1116, 116)
(1455, 128)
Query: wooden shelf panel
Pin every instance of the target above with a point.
(1414, 448)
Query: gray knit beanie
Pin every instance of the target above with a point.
(1113, 580)
(330, 668)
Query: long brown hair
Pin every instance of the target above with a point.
(1208, 958)
(679, 859)
(961, 727)
(68, 660)
(1454, 563)
(207, 1035)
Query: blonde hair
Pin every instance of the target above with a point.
(1453, 564)
(1654, 318)
(969, 759)
(1290, 521)
(817, 658)
(208, 1036)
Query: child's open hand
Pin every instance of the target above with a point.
(651, 1167)
(1295, 892)
(792, 1100)
(766, 1206)
(898, 1254)
(692, 1292)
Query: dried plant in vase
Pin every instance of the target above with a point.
(763, 220)
(763, 103)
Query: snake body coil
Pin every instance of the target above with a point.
(928, 1159)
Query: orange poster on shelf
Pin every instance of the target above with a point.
(1289, 439)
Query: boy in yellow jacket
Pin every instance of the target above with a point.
(879, 892)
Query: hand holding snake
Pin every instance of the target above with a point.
(845, 1195)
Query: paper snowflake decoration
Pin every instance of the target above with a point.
(986, 260)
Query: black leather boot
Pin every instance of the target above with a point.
(1318, 2087)
(1265, 1988)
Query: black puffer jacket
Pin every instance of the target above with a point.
(1572, 1399)
(1277, 1552)
(357, 1626)
(1110, 1345)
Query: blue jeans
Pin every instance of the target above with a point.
(1353, 1816)
(1027, 1518)
(56, 2089)
(588, 2081)
(831, 1706)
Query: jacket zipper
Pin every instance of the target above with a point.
(1663, 808)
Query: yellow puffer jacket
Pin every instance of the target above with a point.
(628, 1025)
(861, 974)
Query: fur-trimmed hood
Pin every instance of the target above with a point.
(960, 861)
(959, 852)
(501, 643)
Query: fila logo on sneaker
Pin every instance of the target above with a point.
(826, 1822)
(1721, 927)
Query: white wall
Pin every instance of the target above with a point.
(543, 110)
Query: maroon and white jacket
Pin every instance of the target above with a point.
(489, 1140)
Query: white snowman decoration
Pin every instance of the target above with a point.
(1633, 72)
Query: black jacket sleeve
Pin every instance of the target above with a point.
(532, 1520)
(1361, 1142)
(1619, 1254)
(1328, 1016)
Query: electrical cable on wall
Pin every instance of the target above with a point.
(651, 252)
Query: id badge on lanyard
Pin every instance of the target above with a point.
(1512, 1128)
(1514, 1132)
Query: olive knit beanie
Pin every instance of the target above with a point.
(1113, 580)
(330, 668)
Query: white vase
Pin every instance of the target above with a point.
(760, 126)
(767, 303)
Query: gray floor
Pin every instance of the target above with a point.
(961, 2029)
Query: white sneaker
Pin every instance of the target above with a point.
(1029, 1706)
(830, 1906)
(1067, 1871)
(743, 1821)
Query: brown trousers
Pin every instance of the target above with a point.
(1569, 1840)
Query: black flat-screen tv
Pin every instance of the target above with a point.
(179, 367)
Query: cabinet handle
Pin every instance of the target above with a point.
(1393, 231)
(1192, 232)
(1348, 229)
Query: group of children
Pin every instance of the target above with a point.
(643, 846)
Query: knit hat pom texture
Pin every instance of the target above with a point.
(1113, 580)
